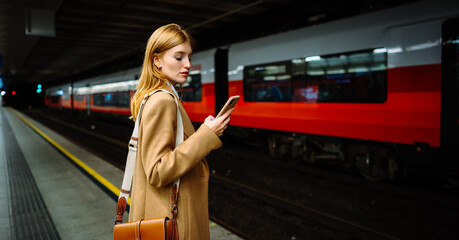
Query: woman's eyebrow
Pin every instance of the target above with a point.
(182, 52)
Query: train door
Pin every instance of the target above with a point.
(88, 104)
(450, 96)
(221, 78)
(71, 96)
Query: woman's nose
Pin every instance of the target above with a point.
(187, 63)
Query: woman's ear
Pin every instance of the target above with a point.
(157, 62)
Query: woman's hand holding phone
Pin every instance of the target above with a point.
(218, 125)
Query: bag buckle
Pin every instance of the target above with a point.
(120, 209)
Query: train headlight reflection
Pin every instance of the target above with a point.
(380, 50)
(312, 58)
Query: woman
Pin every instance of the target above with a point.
(159, 163)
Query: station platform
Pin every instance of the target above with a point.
(56, 189)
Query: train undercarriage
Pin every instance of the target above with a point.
(374, 161)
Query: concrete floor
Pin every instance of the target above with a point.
(79, 208)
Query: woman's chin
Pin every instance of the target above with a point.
(180, 80)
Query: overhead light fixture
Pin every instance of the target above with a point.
(40, 22)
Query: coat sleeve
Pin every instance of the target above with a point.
(163, 163)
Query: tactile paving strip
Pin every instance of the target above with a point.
(29, 217)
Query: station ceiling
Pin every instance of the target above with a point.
(103, 36)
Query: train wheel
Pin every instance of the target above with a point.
(372, 165)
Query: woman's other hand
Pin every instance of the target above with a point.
(218, 125)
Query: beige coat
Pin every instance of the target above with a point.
(158, 164)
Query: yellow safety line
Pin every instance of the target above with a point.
(80, 163)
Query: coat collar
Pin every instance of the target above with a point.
(173, 88)
(188, 128)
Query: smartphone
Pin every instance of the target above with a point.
(228, 105)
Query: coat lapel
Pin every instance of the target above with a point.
(188, 128)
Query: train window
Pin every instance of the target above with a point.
(55, 99)
(79, 98)
(114, 99)
(348, 77)
(191, 90)
(124, 99)
(65, 95)
(268, 82)
(351, 77)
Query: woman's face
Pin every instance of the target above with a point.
(175, 63)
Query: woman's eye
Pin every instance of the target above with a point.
(179, 59)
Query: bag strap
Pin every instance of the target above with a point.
(131, 158)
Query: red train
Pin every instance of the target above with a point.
(377, 92)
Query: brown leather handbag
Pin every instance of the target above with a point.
(157, 228)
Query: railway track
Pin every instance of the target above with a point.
(406, 187)
(349, 228)
(94, 136)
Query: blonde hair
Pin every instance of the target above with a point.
(151, 77)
